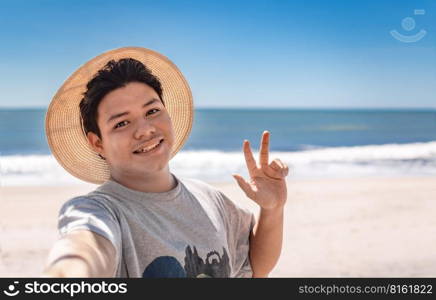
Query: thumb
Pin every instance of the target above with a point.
(243, 184)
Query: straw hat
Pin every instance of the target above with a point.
(63, 129)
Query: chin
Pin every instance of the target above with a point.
(155, 165)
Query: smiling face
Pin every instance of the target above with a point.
(132, 120)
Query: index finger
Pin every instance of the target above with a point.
(249, 159)
(264, 150)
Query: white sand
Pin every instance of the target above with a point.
(378, 227)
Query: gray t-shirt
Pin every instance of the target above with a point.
(193, 230)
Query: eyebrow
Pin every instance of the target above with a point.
(116, 116)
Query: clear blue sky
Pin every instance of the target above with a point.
(233, 53)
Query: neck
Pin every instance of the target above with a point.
(157, 182)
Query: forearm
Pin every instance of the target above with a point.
(266, 241)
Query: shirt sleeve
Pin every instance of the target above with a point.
(240, 222)
(88, 213)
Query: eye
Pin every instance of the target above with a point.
(120, 124)
(154, 109)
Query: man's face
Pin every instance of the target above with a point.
(131, 120)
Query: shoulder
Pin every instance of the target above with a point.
(92, 202)
(92, 213)
(214, 193)
(192, 183)
(202, 189)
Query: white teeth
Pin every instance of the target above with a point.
(149, 148)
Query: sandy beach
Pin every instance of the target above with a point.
(365, 227)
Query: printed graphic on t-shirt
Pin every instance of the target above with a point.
(214, 265)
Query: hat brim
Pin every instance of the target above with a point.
(64, 133)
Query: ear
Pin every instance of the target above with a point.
(95, 142)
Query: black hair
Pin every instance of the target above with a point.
(114, 75)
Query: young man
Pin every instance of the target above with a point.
(118, 120)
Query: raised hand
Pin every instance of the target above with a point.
(267, 184)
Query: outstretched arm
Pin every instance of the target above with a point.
(81, 253)
(267, 187)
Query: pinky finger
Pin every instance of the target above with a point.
(285, 171)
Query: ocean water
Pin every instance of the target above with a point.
(314, 143)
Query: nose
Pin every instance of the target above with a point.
(144, 130)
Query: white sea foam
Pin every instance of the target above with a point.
(376, 160)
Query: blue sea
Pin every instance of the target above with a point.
(314, 143)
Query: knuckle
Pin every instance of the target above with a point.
(274, 165)
(276, 162)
